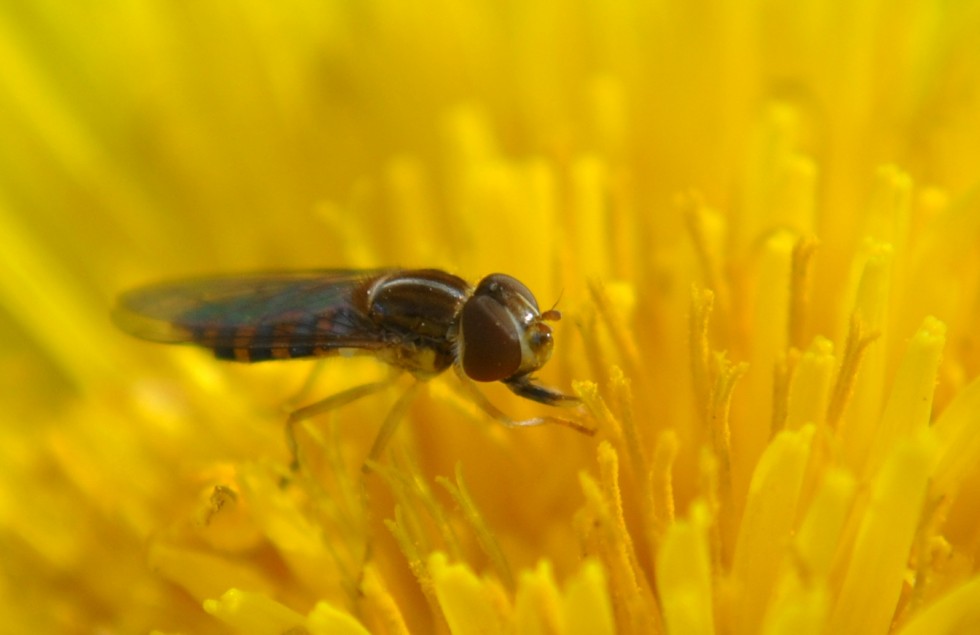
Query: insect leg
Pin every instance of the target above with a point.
(325, 405)
(496, 413)
(527, 388)
(308, 385)
(391, 423)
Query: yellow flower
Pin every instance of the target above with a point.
(760, 222)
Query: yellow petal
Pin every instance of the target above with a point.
(909, 404)
(684, 575)
(324, 619)
(767, 524)
(876, 569)
(959, 443)
(467, 602)
(586, 605)
(537, 606)
(253, 613)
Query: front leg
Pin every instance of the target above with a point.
(524, 386)
(534, 392)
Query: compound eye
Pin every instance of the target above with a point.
(491, 340)
(502, 287)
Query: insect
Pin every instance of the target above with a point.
(421, 321)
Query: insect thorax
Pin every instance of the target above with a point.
(418, 312)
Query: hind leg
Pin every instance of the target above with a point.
(326, 405)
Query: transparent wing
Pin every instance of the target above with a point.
(293, 311)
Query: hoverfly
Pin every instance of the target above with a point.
(421, 321)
